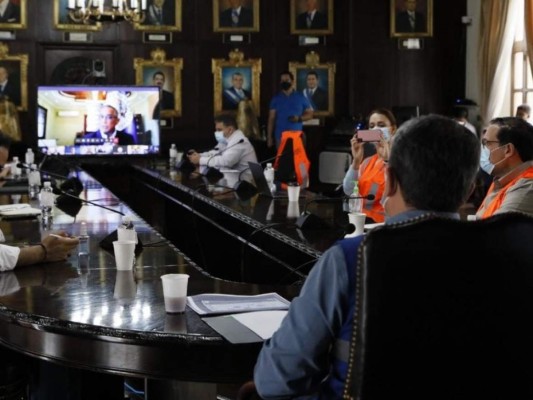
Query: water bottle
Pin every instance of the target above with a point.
(47, 201)
(16, 171)
(269, 176)
(83, 255)
(355, 203)
(34, 182)
(173, 154)
(29, 159)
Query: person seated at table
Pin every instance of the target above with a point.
(233, 151)
(307, 355)
(56, 247)
(109, 119)
(510, 143)
(369, 173)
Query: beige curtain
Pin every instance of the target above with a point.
(528, 24)
(492, 32)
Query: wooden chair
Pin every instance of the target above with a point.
(444, 310)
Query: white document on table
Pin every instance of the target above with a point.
(262, 323)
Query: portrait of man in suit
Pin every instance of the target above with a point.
(108, 121)
(236, 15)
(313, 18)
(232, 95)
(317, 95)
(9, 87)
(160, 12)
(409, 19)
(9, 12)
(166, 100)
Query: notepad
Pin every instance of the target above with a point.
(209, 304)
(21, 210)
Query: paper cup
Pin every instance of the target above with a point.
(124, 254)
(293, 189)
(175, 292)
(293, 209)
(126, 234)
(358, 220)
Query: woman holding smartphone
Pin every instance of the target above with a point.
(369, 173)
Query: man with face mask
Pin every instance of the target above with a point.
(288, 109)
(233, 151)
(308, 354)
(509, 142)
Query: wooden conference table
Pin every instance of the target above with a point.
(98, 319)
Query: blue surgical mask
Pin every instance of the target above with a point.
(219, 136)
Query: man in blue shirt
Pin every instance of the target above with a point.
(287, 110)
(431, 169)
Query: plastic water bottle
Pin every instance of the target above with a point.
(34, 182)
(173, 155)
(269, 176)
(16, 171)
(355, 203)
(47, 201)
(29, 159)
(83, 254)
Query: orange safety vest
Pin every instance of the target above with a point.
(495, 204)
(301, 162)
(372, 181)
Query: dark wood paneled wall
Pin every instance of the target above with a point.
(371, 70)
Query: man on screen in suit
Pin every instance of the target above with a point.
(410, 20)
(109, 119)
(8, 88)
(9, 12)
(318, 97)
(233, 95)
(236, 16)
(312, 18)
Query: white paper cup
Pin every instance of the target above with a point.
(294, 192)
(175, 292)
(124, 254)
(358, 220)
(293, 209)
(126, 234)
(125, 286)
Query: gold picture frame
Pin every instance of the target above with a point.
(321, 22)
(401, 25)
(16, 67)
(14, 15)
(248, 20)
(169, 20)
(323, 97)
(225, 73)
(63, 22)
(146, 72)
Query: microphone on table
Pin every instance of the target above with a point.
(308, 220)
(213, 173)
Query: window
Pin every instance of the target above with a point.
(521, 79)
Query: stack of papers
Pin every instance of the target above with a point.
(18, 211)
(257, 318)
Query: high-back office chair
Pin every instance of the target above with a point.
(444, 310)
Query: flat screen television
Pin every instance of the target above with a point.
(98, 120)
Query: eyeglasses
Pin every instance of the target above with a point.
(108, 117)
(485, 142)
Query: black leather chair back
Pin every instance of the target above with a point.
(444, 310)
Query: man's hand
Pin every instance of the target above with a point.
(59, 246)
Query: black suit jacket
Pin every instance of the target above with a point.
(403, 25)
(229, 102)
(12, 14)
(123, 137)
(165, 103)
(320, 21)
(319, 99)
(246, 18)
(12, 91)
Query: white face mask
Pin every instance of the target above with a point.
(496, 163)
(385, 130)
(219, 136)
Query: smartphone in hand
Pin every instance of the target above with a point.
(369, 135)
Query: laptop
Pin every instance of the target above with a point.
(261, 182)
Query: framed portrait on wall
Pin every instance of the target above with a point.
(166, 74)
(316, 82)
(234, 80)
(63, 21)
(161, 15)
(311, 17)
(14, 78)
(235, 15)
(411, 18)
(14, 15)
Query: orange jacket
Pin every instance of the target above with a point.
(372, 181)
(301, 162)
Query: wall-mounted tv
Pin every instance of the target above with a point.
(98, 120)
